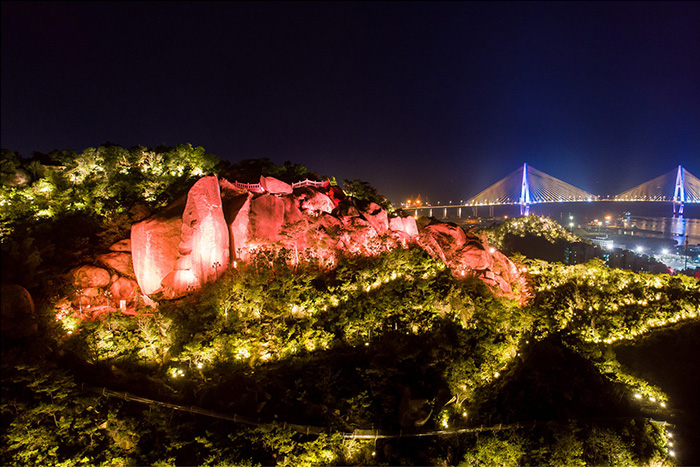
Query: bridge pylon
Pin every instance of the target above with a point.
(679, 193)
(527, 186)
(525, 193)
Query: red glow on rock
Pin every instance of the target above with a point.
(205, 235)
(187, 236)
(274, 186)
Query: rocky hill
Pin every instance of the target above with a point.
(220, 225)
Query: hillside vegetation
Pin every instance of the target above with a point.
(315, 362)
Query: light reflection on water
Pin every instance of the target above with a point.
(669, 227)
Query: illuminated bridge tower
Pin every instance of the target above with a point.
(679, 193)
(527, 186)
(525, 193)
(685, 186)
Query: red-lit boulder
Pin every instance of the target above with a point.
(330, 223)
(120, 262)
(122, 246)
(274, 186)
(313, 201)
(404, 225)
(377, 218)
(450, 236)
(505, 268)
(205, 235)
(187, 243)
(154, 246)
(346, 209)
(471, 257)
(89, 276)
(357, 236)
(124, 289)
(178, 283)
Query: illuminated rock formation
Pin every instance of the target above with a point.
(124, 289)
(154, 246)
(119, 261)
(192, 242)
(89, 276)
(184, 246)
(274, 186)
(122, 246)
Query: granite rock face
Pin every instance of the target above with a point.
(154, 246)
(89, 276)
(184, 246)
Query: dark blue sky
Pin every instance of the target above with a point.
(441, 99)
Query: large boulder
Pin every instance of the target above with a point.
(205, 235)
(292, 212)
(17, 318)
(448, 234)
(377, 218)
(274, 186)
(89, 276)
(185, 246)
(404, 225)
(471, 258)
(357, 237)
(154, 246)
(119, 261)
(313, 201)
(124, 289)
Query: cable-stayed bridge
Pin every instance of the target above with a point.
(678, 186)
(527, 186)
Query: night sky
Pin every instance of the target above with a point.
(437, 99)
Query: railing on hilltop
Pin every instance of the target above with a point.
(254, 187)
(307, 182)
(257, 188)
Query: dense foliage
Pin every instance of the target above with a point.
(101, 182)
(59, 208)
(544, 227)
(363, 191)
